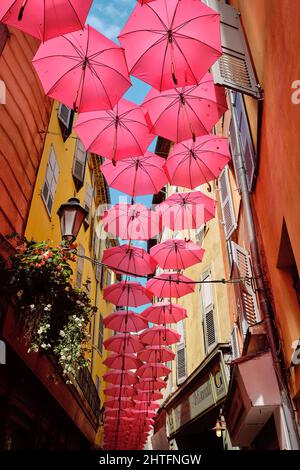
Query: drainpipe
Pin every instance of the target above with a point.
(261, 288)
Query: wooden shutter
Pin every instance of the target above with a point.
(80, 267)
(208, 314)
(65, 118)
(235, 349)
(229, 220)
(246, 298)
(79, 161)
(108, 278)
(97, 384)
(88, 199)
(180, 355)
(50, 182)
(99, 269)
(234, 69)
(100, 337)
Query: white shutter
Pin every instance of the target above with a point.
(246, 298)
(235, 348)
(88, 199)
(229, 220)
(234, 69)
(208, 313)
(80, 267)
(180, 355)
(64, 115)
(79, 161)
(50, 182)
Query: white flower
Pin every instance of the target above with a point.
(40, 331)
(32, 306)
(62, 333)
(49, 306)
(44, 345)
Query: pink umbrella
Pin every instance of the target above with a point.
(184, 113)
(84, 70)
(156, 354)
(115, 134)
(45, 19)
(136, 176)
(162, 313)
(119, 376)
(153, 370)
(182, 39)
(122, 361)
(127, 293)
(150, 384)
(122, 403)
(159, 335)
(145, 405)
(125, 321)
(122, 343)
(120, 415)
(171, 285)
(143, 2)
(191, 164)
(177, 254)
(147, 396)
(116, 391)
(131, 222)
(186, 210)
(129, 259)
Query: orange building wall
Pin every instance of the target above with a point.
(24, 115)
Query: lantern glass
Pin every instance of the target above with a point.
(71, 216)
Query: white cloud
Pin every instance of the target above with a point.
(108, 29)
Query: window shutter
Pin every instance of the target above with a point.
(97, 383)
(108, 278)
(50, 182)
(88, 199)
(100, 337)
(99, 269)
(79, 161)
(208, 313)
(4, 33)
(246, 297)
(80, 267)
(235, 349)
(180, 355)
(65, 118)
(229, 220)
(234, 68)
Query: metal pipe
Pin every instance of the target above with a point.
(264, 302)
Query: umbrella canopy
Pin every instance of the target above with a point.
(127, 294)
(150, 384)
(115, 134)
(45, 20)
(123, 343)
(120, 415)
(153, 370)
(156, 354)
(147, 396)
(171, 285)
(122, 361)
(131, 222)
(116, 391)
(84, 70)
(129, 259)
(120, 376)
(185, 113)
(191, 164)
(177, 254)
(159, 335)
(125, 321)
(145, 405)
(121, 403)
(186, 210)
(136, 176)
(181, 37)
(162, 313)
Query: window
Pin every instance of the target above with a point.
(235, 348)
(245, 140)
(97, 384)
(79, 164)
(4, 33)
(88, 199)
(65, 118)
(229, 220)
(208, 320)
(180, 355)
(108, 278)
(50, 182)
(80, 267)
(100, 337)
(234, 69)
(246, 298)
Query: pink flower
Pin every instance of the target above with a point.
(37, 265)
(59, 267)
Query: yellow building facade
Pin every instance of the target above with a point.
(67, 170)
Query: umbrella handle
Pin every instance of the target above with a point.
(20, 15)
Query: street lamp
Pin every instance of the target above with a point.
(71, 216)
(219, 428)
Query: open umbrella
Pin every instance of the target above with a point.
(185, 113)
(45, 19)
(122, 361)
(171, 285)
(153, 370)
(125, 321)
(156, 354)
(162, 313)
(122, 403)
(177, 254)
(181, 37)
(186, 210)
(146, 405)
(150, 384)
(84, 70)
(123, 343)
(127, 294)
(191, 164)
(116, 391)
(120, 376)
(147, 396)
(159, 335)
(115, 134)
(131, 222)
(129, 259)
(136, 176)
